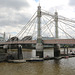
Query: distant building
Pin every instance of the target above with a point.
(1, 39)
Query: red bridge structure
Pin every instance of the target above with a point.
(52, 41)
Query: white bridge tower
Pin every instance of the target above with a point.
(39, 44)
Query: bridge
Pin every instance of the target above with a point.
(46, 24)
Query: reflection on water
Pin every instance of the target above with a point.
(29, 53)
(50, 67)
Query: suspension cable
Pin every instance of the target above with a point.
(67, 24)
(46, 26)
(66, 19)
(49, 28)
(63, 29)
(66, 33)
(26, 25)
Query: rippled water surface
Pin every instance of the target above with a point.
(49, 67)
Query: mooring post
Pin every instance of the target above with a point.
(67, 50)
(5, 47)
(64, 50)
(20, 56)
(39, 48)
(56, 50)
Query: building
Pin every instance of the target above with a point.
(1, 39)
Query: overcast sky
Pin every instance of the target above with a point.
(14, 14)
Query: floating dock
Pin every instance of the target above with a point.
(35, 59)
(16, 61)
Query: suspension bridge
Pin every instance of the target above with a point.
(44, 24)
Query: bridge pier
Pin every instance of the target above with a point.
(20, 56)
(39, 48)
(5, 47)
(56, 50)
(39, 53)
(66, 49)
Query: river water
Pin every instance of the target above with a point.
(48, 67)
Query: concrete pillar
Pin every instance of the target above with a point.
(33, 53)
(20, 56)
(64, 50)
(39, 54)
(5, 47)
(56, 50)
(67, 50)
(39, 48)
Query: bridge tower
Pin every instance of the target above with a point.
(39, 44)
(56, 25)
(56, 46)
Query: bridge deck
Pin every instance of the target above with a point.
(53, 41)
(60, 41)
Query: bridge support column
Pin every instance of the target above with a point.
(39, 48)
(56, 50)
(67, 50)
(5, 47)
(64, 50)
(20, 56)
(39, 53)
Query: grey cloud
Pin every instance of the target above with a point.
(23, 19)
(53, 9)
(19, 19)
(16, 4)
(72, 2)
(10, 13)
